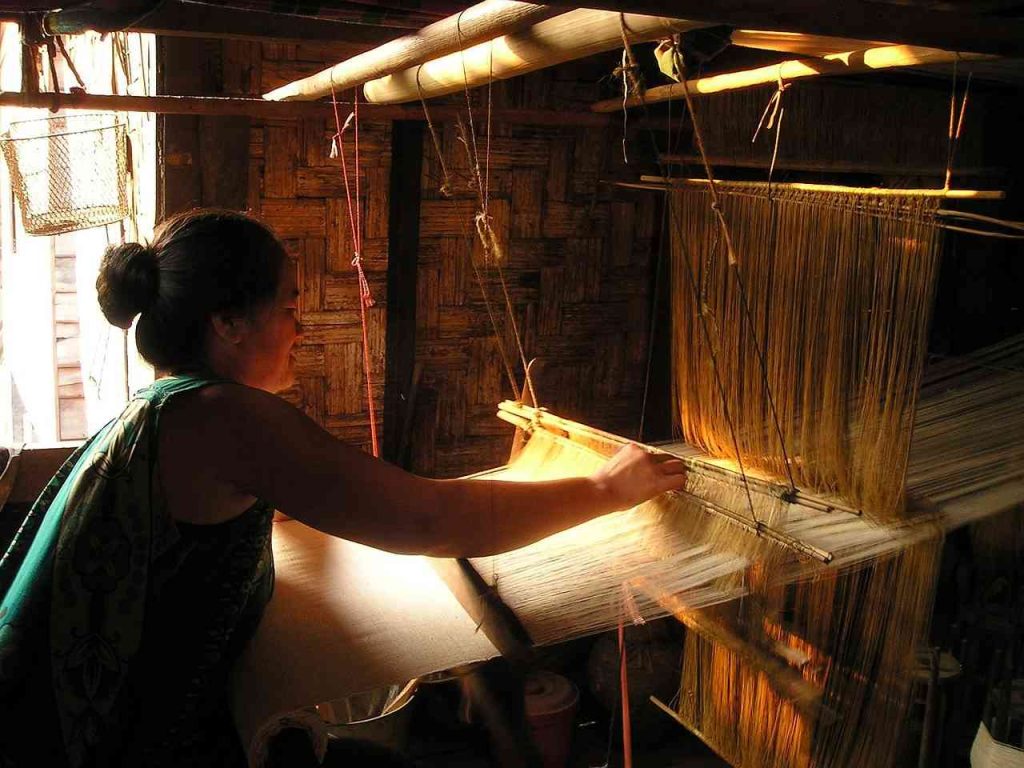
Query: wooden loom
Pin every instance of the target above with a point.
(844, 589)
(739, 532)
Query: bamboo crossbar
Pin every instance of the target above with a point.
(761, 186)
(481, 22)
(260, 108)
(528, 419)
(847, 63)
(573, 35)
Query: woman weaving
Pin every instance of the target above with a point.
(145, 565)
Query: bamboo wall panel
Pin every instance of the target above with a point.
(577, 270)
(846, 127)
(297, 188)
(576, 267)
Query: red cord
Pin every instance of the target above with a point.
(355, 225)
(627, 733)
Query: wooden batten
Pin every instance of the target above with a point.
(659, 182)
(473, 25)
(573, 35)
(848, 63)
(279, 110)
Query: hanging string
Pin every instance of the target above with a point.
(51, 55)
(655, 306)
(446, 182)
(355, 225)
(630, 81)
(952, 118)
(774, 112)
(627, 731)
(723, 225)
(702, 318)
(491, 243)
(67, 59)
(954, 135)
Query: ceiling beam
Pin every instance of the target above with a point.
(198, 20)
(849, 63)
(859, 19)
(287, 110)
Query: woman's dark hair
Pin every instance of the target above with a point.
(200, 263)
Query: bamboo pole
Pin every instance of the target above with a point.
(823, 166)
(659, 182)
(573, 35)
(848, 63)
(469, 27)
(527, 419)
(259, 108)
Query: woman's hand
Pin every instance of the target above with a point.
(634, 475)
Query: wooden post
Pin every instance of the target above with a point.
(403, 253)
(573, 35)
(849, 63)
(474, 25)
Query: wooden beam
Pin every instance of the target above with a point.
(858, 19)
(403, 256)
(834, 166)
(573, 35)
(483, 604)
(280, 110)
(764, 187)
(849, 63)
(174, 19)
(474, 25)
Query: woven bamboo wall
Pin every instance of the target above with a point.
(577, 271)
(845, 127)
(297, 188)
(577, 266)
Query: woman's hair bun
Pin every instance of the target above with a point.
(128, 282)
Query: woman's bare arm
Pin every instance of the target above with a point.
(264, 447)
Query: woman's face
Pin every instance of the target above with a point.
(274, 331)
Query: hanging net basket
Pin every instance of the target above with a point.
(68, 172)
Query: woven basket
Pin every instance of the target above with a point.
(68, 172)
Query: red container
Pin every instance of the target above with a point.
(551, 703)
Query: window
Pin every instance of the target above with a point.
(64, 371)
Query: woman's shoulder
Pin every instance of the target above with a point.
(201, 444)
